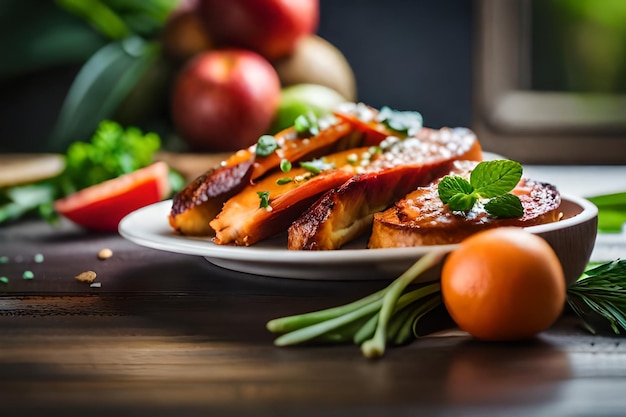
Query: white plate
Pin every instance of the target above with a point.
(149, 227)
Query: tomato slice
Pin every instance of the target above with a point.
(102, 206)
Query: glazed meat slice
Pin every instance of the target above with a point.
(200, 201)
(421, 218)
(344, 213)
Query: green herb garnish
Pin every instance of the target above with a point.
(264, 196)
(285, 165)
(600, 295)
(284, 180)
(404, 122)
(266, 145)
(490, 183)
(316, 166)
(307, 124)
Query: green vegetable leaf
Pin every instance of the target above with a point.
(611, 211)
(494, 178)
(99, 88)
(266, 145)
(505, 206)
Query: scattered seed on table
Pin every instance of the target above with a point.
(95, 285)
(4, 280)
(4, 259)
(28, 275)
(105, 253)
(87, 276)
(38, 258)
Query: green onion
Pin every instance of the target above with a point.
(284, 180)
(285, 165)
(264, 196)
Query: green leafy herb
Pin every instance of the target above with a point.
(266, 145)
(316, 166)
(264, 196)
(600, 296)
(285, 165)
(405, 122)
(307, 124)
(490, 183)
(112, 152)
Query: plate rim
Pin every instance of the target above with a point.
(202, 246)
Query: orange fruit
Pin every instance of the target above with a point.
(503, 284)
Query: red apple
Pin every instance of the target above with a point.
(269, 27)
(224, 100)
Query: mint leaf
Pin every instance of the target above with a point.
(490, 183)
(451, 185)
(462, 202)
(493, 178)
(505, 206)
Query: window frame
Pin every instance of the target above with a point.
(533, 126)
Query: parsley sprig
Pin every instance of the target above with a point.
(489, 184)
(600, 296)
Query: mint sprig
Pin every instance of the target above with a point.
(489, 184)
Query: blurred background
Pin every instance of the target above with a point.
(425, 55)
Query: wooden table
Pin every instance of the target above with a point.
(171, 334)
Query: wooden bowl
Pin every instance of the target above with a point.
(573, 238)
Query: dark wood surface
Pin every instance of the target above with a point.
(171, 334)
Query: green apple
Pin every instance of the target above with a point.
(303, 98)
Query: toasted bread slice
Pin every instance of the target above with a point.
(345, 213)
(421, 218)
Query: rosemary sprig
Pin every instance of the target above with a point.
(600, 295)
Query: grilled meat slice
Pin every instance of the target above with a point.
(345, 213)
(242, 221)
(196, 205)
(421, 218)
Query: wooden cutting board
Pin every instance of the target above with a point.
(24, 168)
